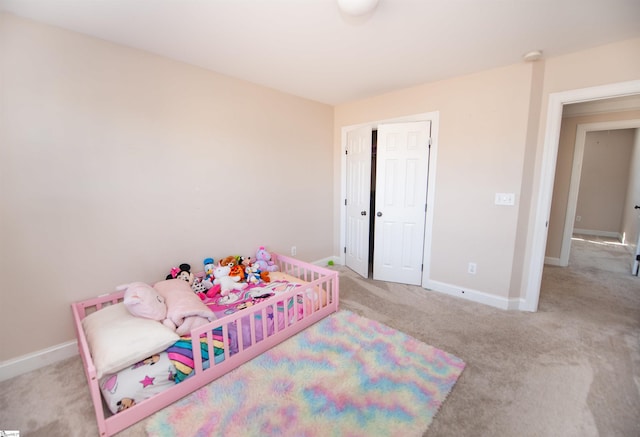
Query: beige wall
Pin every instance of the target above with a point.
(606, 64)
(481, 147)
(564, 164)
(492, 133)
(116, 165)
(602, 65)
(527, 187)
(605, 175)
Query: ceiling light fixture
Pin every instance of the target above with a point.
(357, 7)
(532, 56)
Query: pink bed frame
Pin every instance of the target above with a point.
(320, 280)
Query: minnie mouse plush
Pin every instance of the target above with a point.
(183, 272)
(199, 286)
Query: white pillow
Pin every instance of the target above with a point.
(118, 339)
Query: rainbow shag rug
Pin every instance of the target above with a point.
(344, 376)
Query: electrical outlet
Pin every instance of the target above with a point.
(294, 250)
(472, 268)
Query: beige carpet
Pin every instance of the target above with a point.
(571, 369)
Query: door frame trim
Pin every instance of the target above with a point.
(434, 118)
(546, 172)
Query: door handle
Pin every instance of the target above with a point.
(636, 207)
(379, 214)
(363, 212)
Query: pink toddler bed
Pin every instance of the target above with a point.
(255, 320)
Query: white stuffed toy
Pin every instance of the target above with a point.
(226, 282)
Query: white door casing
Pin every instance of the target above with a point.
(535, 249)
(401, 200)
(358, 188)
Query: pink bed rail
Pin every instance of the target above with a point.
(320, 299)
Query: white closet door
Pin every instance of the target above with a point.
(358, 197)
(635, 268)
(400, 203)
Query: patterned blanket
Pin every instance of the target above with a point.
(181, 354)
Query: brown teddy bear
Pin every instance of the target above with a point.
(229, 261)
(234, 265)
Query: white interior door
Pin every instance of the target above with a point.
(635, 266)
(400, 202)
(358, 197)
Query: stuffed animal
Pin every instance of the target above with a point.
(229, 261)
(238, 271)
(234, 263)
(185, 311)
(245, 261)
(263, 258)
(252, 274)
(198, 285)
(183, 272)
(142, 300)
(213, 291)
(208, 269)
(226, 282)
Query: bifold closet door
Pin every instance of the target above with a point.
(401, 199)
(358, 196)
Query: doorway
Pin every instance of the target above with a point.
(573, 218)
(387, 191)
(396, 194)
(540, 214)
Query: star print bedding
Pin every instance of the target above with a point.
(135, 383)
(144, 379)
(148, 377)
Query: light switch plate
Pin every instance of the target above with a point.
(505, 199)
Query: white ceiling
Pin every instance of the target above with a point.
(310, 49)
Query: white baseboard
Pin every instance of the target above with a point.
(475, 296)
(324, 262)
(552, 261)
(608, 234)
(36, 360)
